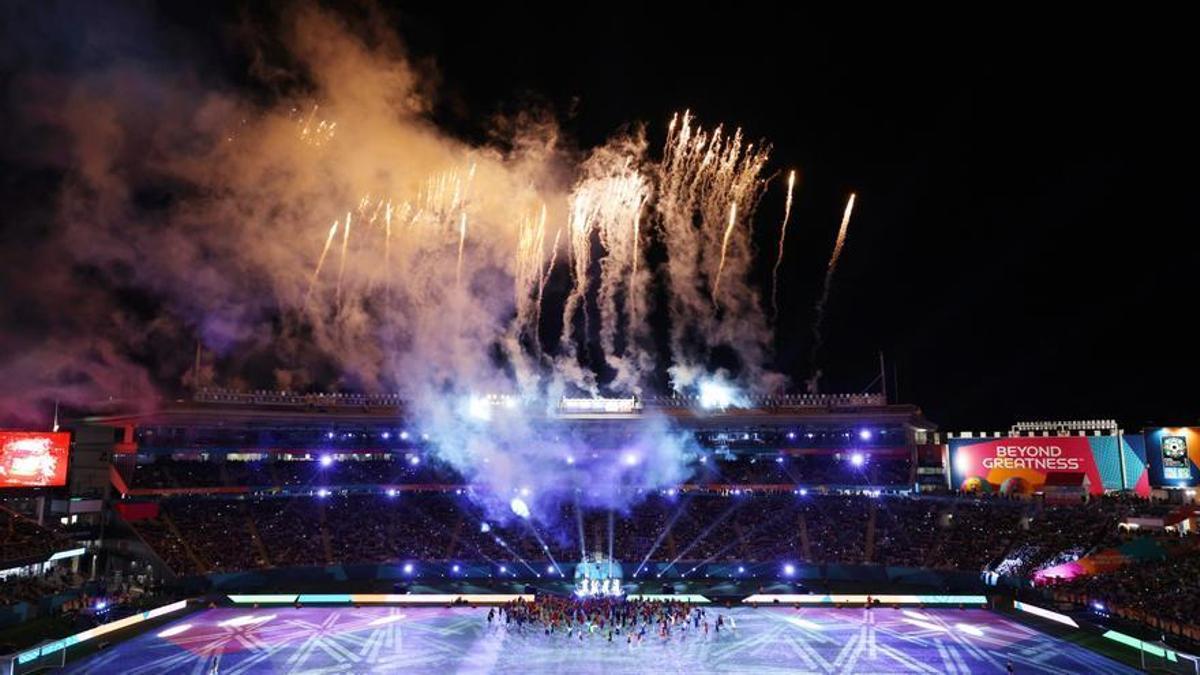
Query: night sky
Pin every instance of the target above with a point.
(1024, 245)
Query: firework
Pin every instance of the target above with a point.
(316, 132)
(342, 266)
(549, 268)
(833, 261)
(462, 242)
(706, 181)
(724, 250)
(841, 236)
(606, 206)
(321, 261)
(693, 200)
(787, 212)
(387, 245)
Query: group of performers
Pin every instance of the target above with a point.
(607, 618)
(602, 587)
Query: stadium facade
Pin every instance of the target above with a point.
(222, 426)
(1095, 456)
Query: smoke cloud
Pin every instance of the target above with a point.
(328, 234)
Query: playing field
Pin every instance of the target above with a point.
(459, 640)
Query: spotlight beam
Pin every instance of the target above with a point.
(662, 535)
(579, 525)
(470, 517)
(517, 556)
(704, 533)
(610, 542)
(752, 530)
(545, 548)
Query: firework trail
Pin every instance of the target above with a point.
(724, 248)
(549, 268)
(605, 206)
(579, 246)
(531, 242)
(703, 179)
(387, 246)
(833, 261)
(787, 212)
(342, 266)
(528, 274)
(462, 241)
(617, 232)
(541, 277)
(321, 261)
(692, 200)
(319, 134)
(637, 222)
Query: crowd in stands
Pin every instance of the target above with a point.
(1163, 593)
(30, 588)
(195, 534)
(397, 468)
(821, 469)
(23, 538)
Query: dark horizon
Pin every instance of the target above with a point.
(1022, 245)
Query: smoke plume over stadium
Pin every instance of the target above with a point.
(331, 235)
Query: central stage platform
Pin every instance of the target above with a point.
(458, 640)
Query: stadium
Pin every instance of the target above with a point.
(322, 532)
(351, 336)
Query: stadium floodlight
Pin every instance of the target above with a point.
(598, 405)
(716, 395)
(519, 507)
(479, 408)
